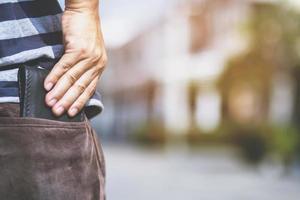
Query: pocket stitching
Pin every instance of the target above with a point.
(40, 122)
(42, 126)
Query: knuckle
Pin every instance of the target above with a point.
(66, 104)
(65, 66)
(99, 68)
(80, 87)
(95, 57)
(98, 56)
(52, 77)
(83, 51)
(96, 71)
(102, 65)
(91, 91)
(71, 78)
(104, 59)
(80, 103)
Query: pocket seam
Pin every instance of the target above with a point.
(40, 122)
(42, 126)
(99, 153)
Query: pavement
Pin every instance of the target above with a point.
(135, 173)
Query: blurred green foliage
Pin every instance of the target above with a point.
(285, 143)
(274, 33)
(151, 133)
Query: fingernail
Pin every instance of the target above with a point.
(73, 111)
(49, 86)
(60, 110)
(52, 102)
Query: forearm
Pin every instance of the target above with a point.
(80, 5)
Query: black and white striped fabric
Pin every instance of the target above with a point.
(30, 30)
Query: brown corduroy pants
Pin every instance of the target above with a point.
(44, 159)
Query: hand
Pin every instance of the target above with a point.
(73, 80)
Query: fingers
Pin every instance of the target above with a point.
(77, 82)
(76, 98)
(78, 88)
(83, 98)
(65, 82)
(71, 79)
(67, 61)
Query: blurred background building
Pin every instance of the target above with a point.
(212, 89)
(168, 51)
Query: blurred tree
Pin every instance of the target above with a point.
(273, 31)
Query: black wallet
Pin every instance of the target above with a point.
(32, 95)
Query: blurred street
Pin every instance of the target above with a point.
(174, 174)
(205, 72)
